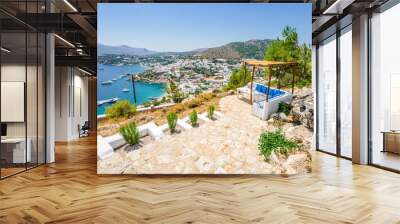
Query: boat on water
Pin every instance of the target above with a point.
(125, 90)
(108, 82)
(107, 101)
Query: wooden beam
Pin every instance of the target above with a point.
(269, 81)
(251, 85)
(293, 71)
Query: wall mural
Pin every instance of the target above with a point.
(204, 89)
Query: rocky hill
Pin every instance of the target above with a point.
(238, 50)
(122, 50)
(234, 50)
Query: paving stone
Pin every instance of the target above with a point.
(228, 144)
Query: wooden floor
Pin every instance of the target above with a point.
(69, 191)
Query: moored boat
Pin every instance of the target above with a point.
(108, 82)
(107, 101)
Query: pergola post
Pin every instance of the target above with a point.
(251, 85)
(293, 71)
(269, 80)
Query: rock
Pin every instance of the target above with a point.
(135, 155)
(303, 108)
(220, 170)
(221, 160)
(297, 163)
(283, 117)
(275, 116)
(274, 159)
(203, 164)
(164, 159)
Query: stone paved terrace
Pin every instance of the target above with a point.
(226, 145)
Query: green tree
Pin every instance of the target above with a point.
(238, 78)
(305, 65)
(276, 51)
(288, 49)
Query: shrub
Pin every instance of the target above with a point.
(193, 103)
(216, 91)
(134, 109)
(119, 109)
(130, 133)
(284, 108)
(206, 96)
(178, 97)
(275, 141)
(156, 103)
(239, 77)
(277, 123)
(172, 118)
(193, 118)
(178, 108)
(210, 111)
(147, 104)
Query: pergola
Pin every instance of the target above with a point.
(263, 64)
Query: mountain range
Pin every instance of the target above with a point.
(234, 50)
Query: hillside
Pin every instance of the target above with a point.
(234, 50)
(237, 50)
(122, 50)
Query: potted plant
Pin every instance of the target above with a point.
(172, 118)
(193, 118)
(130, 133)
(210, 111)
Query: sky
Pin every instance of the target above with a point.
(185, 27)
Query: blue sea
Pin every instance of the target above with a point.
(144, 91)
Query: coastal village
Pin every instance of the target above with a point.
(193, 74)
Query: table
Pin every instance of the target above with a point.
(391, 141)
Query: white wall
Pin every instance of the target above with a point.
(71, 87)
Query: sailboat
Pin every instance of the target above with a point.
(108, 82)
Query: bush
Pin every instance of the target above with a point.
(172, 118)
(178, 108)
(193, 118)
(156, 103)
(207, 96)
(216, 91)
(193, 103)
(119, 109)
(238, 78)
(134, 109)
(130, 133)
(147, 104)
(178, 97)
(275, 141)
(284, 108)
(210, 111)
